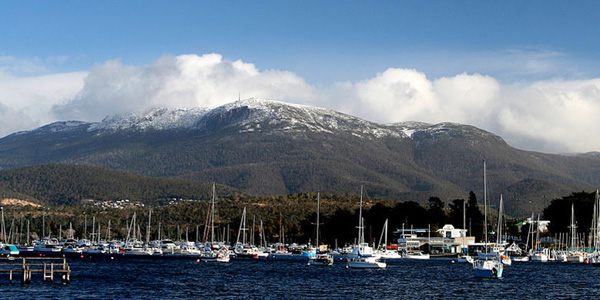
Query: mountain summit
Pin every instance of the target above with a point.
(269, 147)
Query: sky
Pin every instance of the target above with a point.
(528, 71)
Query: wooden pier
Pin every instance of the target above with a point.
(25, 267)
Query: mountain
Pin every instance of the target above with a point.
(265, 147)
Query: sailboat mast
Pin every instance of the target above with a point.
(499, 225)
(465, 216)
(148, 229)
(212, 217)
(485, 205)
(318, 210)
(596, 222)
(360, 220)
(573, 227)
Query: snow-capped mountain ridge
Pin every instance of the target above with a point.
(258, 115)
(249, 114)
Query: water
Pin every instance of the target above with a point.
(292, 278)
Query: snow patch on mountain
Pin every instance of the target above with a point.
(56, 127)
(155, 119)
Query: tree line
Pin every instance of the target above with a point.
(295, 213)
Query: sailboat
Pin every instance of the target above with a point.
(133, 244)
(281, 250)
(487, 268)
(322, 259)
(362, 255)
(594, 258)
(465, 257)
(382, 248)
(504, 258)
(574, 254)
(212, 253)
(410, 251)
(539, 254)
(242, 248)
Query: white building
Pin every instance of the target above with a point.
(449, 231)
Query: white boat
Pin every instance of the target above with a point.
(463, 259)
(415, 255)
(500, 243)
(213, 251)
(189, 248)
(519, 258)
(388, 254)
(539, 257)
(133, 245)
(242, 248)
(575, 255)
(561, 256)
(382, 249)
(537, 253)
(321, 259)
(362, 256)
(221, 255)
(366, 263)
(47, 245)
(487, 268)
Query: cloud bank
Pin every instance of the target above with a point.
(548, 116)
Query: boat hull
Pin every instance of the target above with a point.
(366, 263)
(488, 269)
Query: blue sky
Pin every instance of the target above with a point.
(335, 48)
(323, 41)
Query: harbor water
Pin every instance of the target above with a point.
(292, 278)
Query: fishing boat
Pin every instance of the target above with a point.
(487, 268)
(362, 256)
(322, 258)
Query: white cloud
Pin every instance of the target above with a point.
(548, 116)
(401, 95)
(554, 116)
(181, 81)
(26, 103)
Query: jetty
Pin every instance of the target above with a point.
(25, 267)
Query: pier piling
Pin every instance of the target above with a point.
(47, 266)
